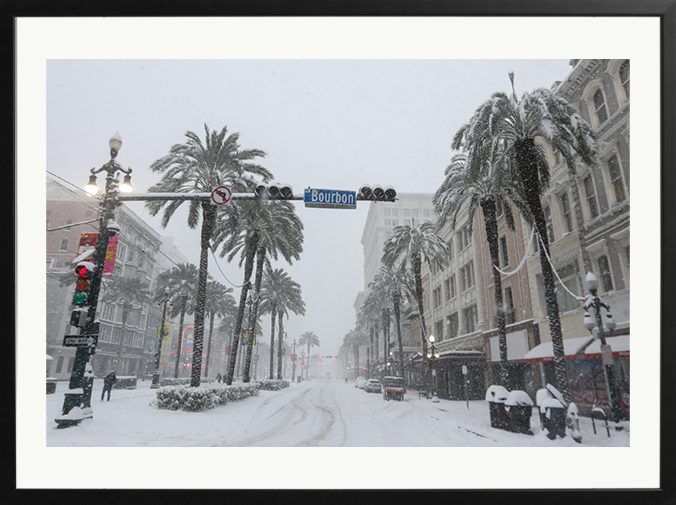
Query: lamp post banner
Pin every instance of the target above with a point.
(89, 240)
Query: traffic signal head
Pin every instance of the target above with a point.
(376, 193)
(274, 191)
(78, 317)
(84, 272)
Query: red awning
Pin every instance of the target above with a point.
(579, 348)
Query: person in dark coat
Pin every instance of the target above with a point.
(108, 382)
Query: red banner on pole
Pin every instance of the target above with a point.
(89, 240)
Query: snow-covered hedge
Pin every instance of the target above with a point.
(202, 398)
(273, 385)
(183, 381)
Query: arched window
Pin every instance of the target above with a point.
(600, 106)
(624, 76)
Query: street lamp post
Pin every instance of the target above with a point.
(78, 394)
(606, 352)
(156, 375)
(433, 355)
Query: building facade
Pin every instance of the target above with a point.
(137, 253)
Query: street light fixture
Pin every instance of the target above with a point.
(594, 301)
(433, 355)
(107, 228)
(156, 375)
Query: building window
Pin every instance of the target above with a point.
(407, 222)
(510, 312)
(453, 325)
(604, 271)
(68, 221)
(600, 106)
(130, 257)
(550, 223)
(64, 244)
(616, 179)
(624, 77)
(426, 212)
(414, 213)
(59, 263)
(504, 253)
(467, 276)
(470, 319)
(395, 212)
(498, 208)
(436, 295)
(566, 213)
(388, 234)
(407, 212)
(59, 364)
(388, 222)
(387, 212)
(450, 249)
(439, 330)
(592, 205)
(464, 237)
(395, 222)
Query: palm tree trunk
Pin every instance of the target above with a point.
(125, 315)
(211, 330)
(417, 267)
(280, 338)
(397, 322)
(208, 221)
(179, 342)
(491, 225)
(528, 171)
(248, 268)
(272, 340)
(253, 314)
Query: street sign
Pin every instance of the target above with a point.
(220, 195)
(79, 340)
(330, 198)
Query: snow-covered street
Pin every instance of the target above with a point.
(318, 413)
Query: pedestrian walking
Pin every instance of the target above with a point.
(108, 382)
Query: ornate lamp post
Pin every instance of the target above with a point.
(78, 394)
(433, 354)
(156, 375)
(594, 301)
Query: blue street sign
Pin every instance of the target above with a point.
(330, 198)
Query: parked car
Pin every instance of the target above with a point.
(360, 382)
(373, 386)
(393, 387)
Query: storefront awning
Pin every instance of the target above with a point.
(619, 345)
(579, 348)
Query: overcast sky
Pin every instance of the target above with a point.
(323, 123)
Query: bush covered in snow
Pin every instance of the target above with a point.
(273, 385)
(183, 381)
(202, 398)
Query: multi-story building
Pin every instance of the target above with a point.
(136, 257)
(588, 226)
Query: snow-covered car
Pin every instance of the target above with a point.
(360, 383)
(393, 387)
(373, 386)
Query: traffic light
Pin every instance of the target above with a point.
(274, 191)
(78, 317)
(376, 193)
(84, 272)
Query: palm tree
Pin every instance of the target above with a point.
(180, 281)
(219, 303)
(132, 294)
(353, 341)
(311, 340)
(196, 167)
(394, 284)
(370, 318)
(412, 245)
(279, 294)
(507, 128)
(487, 185)
(257, 228)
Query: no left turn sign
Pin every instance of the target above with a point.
(220, 195)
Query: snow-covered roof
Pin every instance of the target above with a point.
(619, 345)
(49, 358)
